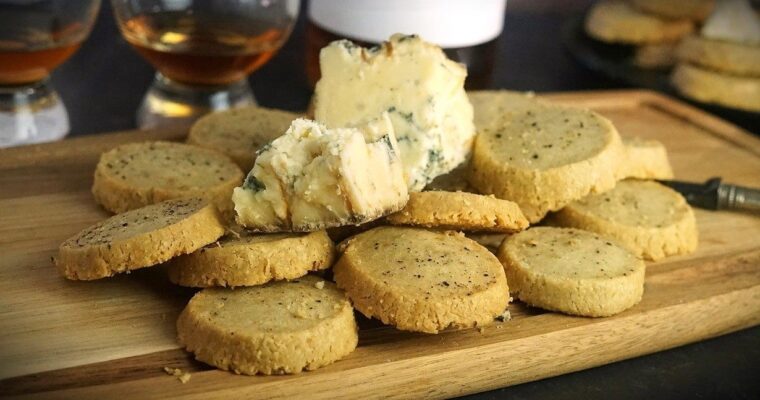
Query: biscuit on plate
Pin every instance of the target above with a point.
(721, 56)
(615, 21)
(714, 87)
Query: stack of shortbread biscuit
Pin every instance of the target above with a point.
(722, 64)
(414, 259)
(653, 27)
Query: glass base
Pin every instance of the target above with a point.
(31, 113)
(173, 104)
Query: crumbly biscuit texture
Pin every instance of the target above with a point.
(239, 132)
(138, 174)
(650, 219)
(572, 271)
(460, 211)
(139, 238)
(714, 87)
(279, 328)
(421, 280)
(645, 159)
(491, 106)
(544, 156)
(248, 259)
(616, 21)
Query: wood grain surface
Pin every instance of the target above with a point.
(108, 338)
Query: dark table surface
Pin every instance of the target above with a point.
(103, 84)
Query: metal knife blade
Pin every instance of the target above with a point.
(713, 194)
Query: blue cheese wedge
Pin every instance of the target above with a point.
(412, 80)
(313, 178)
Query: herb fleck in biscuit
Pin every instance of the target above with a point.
(615, 21)
(139, 238)
(279, 328)
(460, 211)
(572, 271)
(544, 156)
(714, 87)
(420, 280)
(239, 132)
(652, 220)
(252, 259)
(137, 174)
(491, 106)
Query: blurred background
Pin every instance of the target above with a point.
(544, 46)
(103, 84)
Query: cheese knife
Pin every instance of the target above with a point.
(713, 194)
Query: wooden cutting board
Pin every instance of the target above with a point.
(113, 337)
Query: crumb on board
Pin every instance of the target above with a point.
(319, 285)
(504, 317)
(481, 329)
(182, 376)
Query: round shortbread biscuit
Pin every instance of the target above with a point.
(278, 328)
(248, 259)
(696, 10)
(139, 238)
(137, 174)
(650, 219)
(615, 21)
(490, 106)
(713, 87)
(545, 157)
(460, 211)
(239, 132)
(572, 271)
(645, 159)
(723, 56)
(420, 280)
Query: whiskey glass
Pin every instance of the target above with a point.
(203, 52)
(35, 38)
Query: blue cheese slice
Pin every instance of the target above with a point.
(412, 80)
(313, 178)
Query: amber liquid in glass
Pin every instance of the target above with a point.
(202, 50)
(22, 63)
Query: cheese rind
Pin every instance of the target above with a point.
(412, 80)
(313, 178)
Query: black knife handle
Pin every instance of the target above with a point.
(733, 197)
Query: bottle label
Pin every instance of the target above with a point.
(447, 23)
